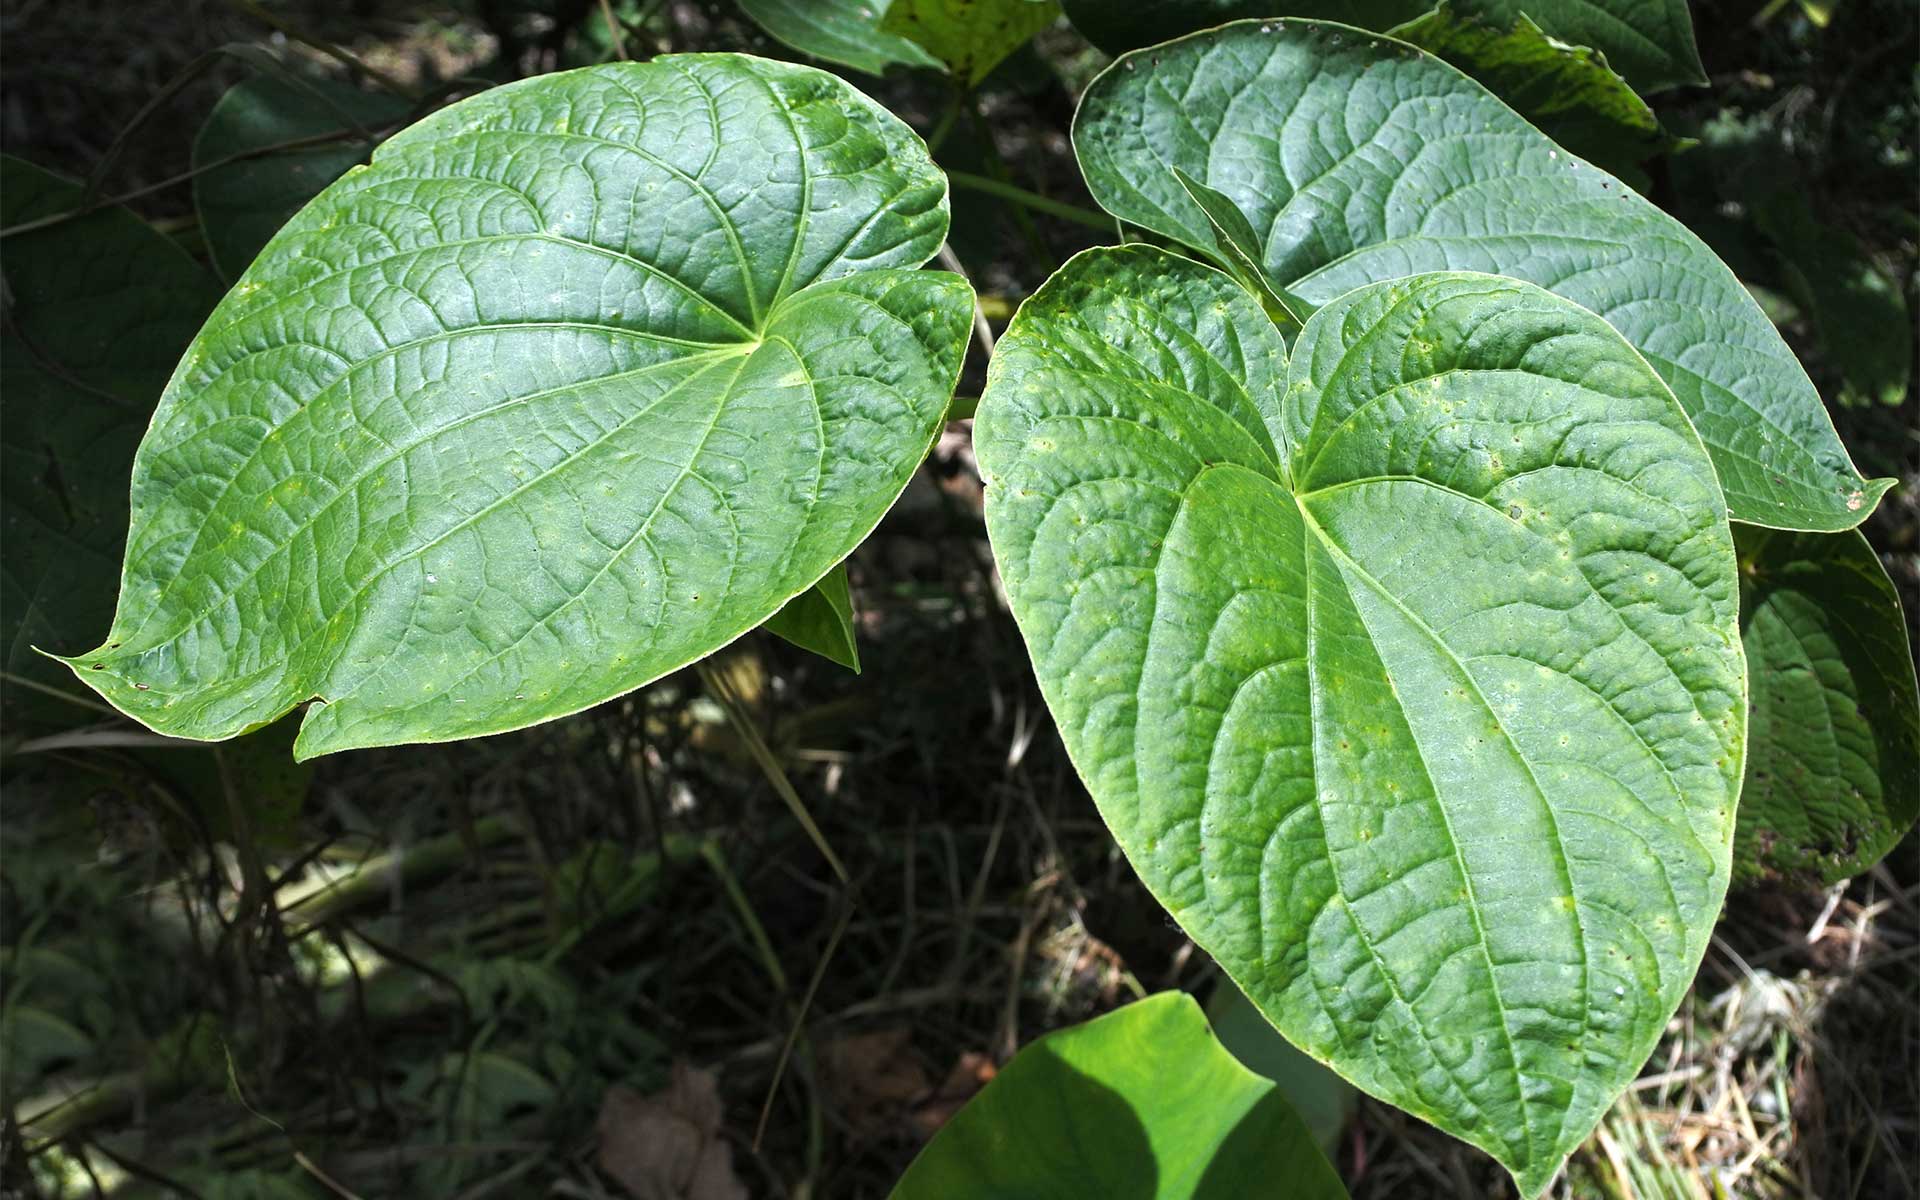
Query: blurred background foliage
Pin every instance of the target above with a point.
(484, 969)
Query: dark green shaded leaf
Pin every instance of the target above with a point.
(1362, 159)
(1407, 674)
(1650, 42)
(970, 36)
(820, 619)
(1857, 309)
(1139, 1104)
(581, 379)
(243, 204)
(840, 31)
(1833, 773)
(1324, 1101)
(1568, 91)
(1118, 28)
(98, 309)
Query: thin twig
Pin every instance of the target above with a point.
(981, 329)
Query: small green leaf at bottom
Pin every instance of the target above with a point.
(820, 619)
(1143, 1102)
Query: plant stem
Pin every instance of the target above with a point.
(1033, 200)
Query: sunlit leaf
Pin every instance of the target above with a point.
(1568, 91)
(1407, 673)
(581, 379)
(1142, 1102)
(1324, 1101)
(1358, 159)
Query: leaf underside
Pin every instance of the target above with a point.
(1357, 158)
(820, 620)
(1142, 1102)
(581, 379)
(1407, 673)
(1833, 778)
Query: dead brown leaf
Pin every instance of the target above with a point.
(667, 1146)
(973, 1072)
(875, 1076)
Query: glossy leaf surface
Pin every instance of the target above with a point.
(581, 379)
(98, 310)
(244, 203)
(840, 31)
(1650, 42)
(1833, 777)
(820, 619)
(1360, 159)
(1406, 673)
(1139, 1104)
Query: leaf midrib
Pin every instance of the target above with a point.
(1327, 541)
(466, 522)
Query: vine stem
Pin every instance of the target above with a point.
(1032, 200)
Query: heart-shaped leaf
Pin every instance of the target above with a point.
(1358, 159)
(1407, 674)
(578, 381)
(1142, 1102)
(1833, 777)
(98, 309)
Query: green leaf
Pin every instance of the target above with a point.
(970, 36)
(847, 32)
(1568, 91)
(1406, 674)
(1362, 159)
(1650, 42)
(1241, 254)
(1833, 778)
(1324, 1101)
(1142, 1102)
(820, 619)
(580, 380)
(98, 309)
(243, 204)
